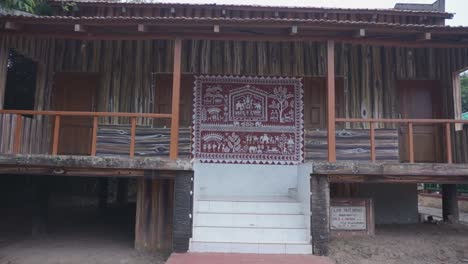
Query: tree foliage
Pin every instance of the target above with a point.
(38, 7)
(464, 91)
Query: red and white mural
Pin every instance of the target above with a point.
(256, 120)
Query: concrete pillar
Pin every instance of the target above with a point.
(450, 211)
(182, 232)
(320, 209)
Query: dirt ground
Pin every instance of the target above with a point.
(436, 202)
(397, 244)
(79, 236)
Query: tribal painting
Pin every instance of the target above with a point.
(250, 120)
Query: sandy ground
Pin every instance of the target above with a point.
(415, 244)
(436, 202)
(75, 237)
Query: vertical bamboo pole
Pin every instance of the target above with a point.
(448, 143)
(55, 140)
(410, 143)
(18, 132)
(94, 142)
(175, 99)
(331, 125)
(132, 138)
(372, 141)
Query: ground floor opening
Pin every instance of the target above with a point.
(57, 219)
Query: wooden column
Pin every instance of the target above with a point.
(40, 193)
(182, 231)
(153, 227)
(177, 73)
(450, 211)
(122, 191)
(331, 115)
(320, 209)
(103, 192)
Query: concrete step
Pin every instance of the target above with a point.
(249, 234)
(254, 207)
(254, 248)
(250, 220)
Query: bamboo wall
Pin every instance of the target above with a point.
(126, 68)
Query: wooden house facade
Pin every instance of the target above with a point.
(114, 96)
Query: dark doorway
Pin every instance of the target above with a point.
(21, 82)
(420, 99)
(75, 92)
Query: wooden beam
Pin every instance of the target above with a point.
(448, 142)
(396, 179)
(80, 28)
(142, 28)
(69, 172)
(55, 139)
(360, 33)
(391, 169)
(410, 143)
(18, 134)
(12, 25)
(424, 36)
(372, 142)
(132, 137)
(177, 74)
(216, 29)
(98, 162)
(331, 115)
(294, 30)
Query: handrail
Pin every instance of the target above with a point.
(410, 122)
(95, 115)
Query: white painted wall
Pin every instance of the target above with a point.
(244, 179)
(303, 190)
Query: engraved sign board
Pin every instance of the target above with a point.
(351, 217)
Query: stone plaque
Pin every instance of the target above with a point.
(351, 217)
(348, 217)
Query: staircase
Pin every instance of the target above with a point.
(269, 225)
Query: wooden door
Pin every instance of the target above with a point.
(315, 101)
(75, 92)
(420, 99)
(163, 98)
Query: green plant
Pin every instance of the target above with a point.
(464, 91)
(38, 7)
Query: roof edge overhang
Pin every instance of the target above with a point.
(303, 9)
(240, 29)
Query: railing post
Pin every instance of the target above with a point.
(331, 115)
(132, 137)
(18, 132)
(94, 140)
(372, 141)
(410, 143)
(55, 139)
(448, 142)
(173, 150)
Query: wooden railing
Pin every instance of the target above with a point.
(409, 123)
(58, 115)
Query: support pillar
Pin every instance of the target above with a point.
(122, 191)
(40, 204)
(450, 211)
(154, 208)
(183, 202)
(331, 115)
(103, 192)
(320, 210)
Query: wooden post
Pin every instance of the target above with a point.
(372, 141)
(448, 143)
(18, 132)
(103, 189)
(132, 138)
(153, 215)
(331, 125)
(176, 99)
(94, 139)
(410, 143)
(56, 136)
(122, 191)
(450, 211)
(320, 210)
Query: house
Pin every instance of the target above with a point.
(241, 121)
